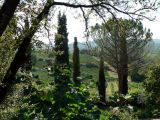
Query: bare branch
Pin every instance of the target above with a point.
(108, 7)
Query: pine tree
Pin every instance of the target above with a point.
(76, 62)
(102, 82)
(61, 64)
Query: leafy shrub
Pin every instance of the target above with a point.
(119, 111)
(134, 99)
(51, 55)
(40, 59)
(49, 62)
(122, 113)
(63, 102)
(118, 99)
(152, 87)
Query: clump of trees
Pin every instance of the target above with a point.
(125, 43)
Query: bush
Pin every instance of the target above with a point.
(51, 55)
(40, 59)
(134, 99)
(63, 102)
(49, 62)
(152, 88)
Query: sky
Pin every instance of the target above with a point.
(154, 27)
(76, 28)
(76, 24)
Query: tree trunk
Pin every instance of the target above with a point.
(123, 82)
(102, 82)
(6, 13)
(76, 62)
(28, 62)
(19, 58)
(123, 68)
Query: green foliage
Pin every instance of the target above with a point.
(61, 63)
(63, 102)
(51, 55)
(75, 104)
(120, 108)
(152, 89)
(134, 99)
(61, 73)
(122, 113)
(33, 59)
(125, 43)
(61, 41)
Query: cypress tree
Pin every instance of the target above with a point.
(76, 62)
(61, 51)
(102, 82)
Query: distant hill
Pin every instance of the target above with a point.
(156, 41)
(82, 45)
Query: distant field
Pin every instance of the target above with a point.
(89, 74)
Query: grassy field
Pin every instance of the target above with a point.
(89, 74)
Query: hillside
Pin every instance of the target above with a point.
(82, 45)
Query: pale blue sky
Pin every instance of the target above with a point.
(76, 27)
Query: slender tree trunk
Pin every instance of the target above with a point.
(123, 82)
(76, 62)
(6, 13)
(19, 58)
(123, 68)
(102, 82)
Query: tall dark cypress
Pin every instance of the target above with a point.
(61, 50)
(102, 82)
(76, 62)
